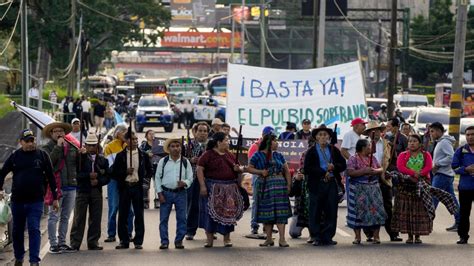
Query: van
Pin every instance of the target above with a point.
(410, 100)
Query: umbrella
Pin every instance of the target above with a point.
(41, 120)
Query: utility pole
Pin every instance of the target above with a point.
(242, 33)
(232, 39)
(321, 33)
(458, 70)
(262, 33)
(72, 42)
(392, 78)
(218, 46)
(379, 57)
(79, 57)
(315, 33)
(25, 84)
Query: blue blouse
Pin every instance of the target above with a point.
(259, 161)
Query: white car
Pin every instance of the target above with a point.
(465, 123)
(428, 115)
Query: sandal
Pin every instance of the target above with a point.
(356, 242)
(208, 245)
(376, 241)
(228, 244)
(283, 244)
(267, 243)
(409, 241)
(418, 241)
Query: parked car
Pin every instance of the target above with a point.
(465, 123)
(406, 111)
(428, 115)
(206, 108)
(410, 100)
(154, 110)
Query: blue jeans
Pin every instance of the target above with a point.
(27, 213)
(66, 205)
(113, 203)
(445, 183)
(253, 222)
(179, 199)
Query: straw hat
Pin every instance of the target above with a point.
(48, 128)
(373, 125)
(322, 127)
(168, 142)
(91, 139)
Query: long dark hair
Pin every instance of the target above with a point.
(361, 143)
(266, 141)
(217, 137)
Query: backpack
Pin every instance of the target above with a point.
(166, 159)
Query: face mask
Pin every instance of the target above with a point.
(389, 134)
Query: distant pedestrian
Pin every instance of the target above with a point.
(216, 126)
(32, 176)
(370, 111)
(289, 133)
(99, 114)
(86, 112)
(305, 132)
(383, 114)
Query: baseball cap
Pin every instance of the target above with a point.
(290, 125)
(357, 121)
(75, 120)
(217, 121)
(268, 130)
(306, 121)
(27, 134)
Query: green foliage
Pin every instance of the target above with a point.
(5, 106)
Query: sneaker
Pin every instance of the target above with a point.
(462, 241)
(189, 237)
(453, 228)
(54, 250)
(18, 263)
(110, 239)
(254, 231)
(67, 249)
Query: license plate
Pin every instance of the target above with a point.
(153, 119)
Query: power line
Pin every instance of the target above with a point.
(6, 3)
(103, 14)
(13, 31)
(73, 60)
(6, 11)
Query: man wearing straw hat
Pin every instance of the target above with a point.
(92, 174)
(382, 153)
(130, 167)
(63, 157)
(174, 175)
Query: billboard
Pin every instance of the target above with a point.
(200, 39)
(193, 13)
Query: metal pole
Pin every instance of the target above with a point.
(72, 47)
(379, 58)
(24, 58)
(232, 40)
(218, 46)
(242, 34)
(40, 89)
(262, 33)
(315, 33)
(458, 70)
(79, 61)
(392, 78)
(321, 33)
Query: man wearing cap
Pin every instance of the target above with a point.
(383, 115)
(252, 150)
(63, 157)
(397, 140)
(130, 168)
(32, 170)
(382, 154)
(305, 132)
(350, 138)
(196, 148)
(289, 133)
(173, 177)
(443, 154)
(76, 129)
(216, 126)
(370, 111)
(92, 174)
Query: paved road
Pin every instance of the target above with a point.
(438, 249)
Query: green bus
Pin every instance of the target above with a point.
(184, 88)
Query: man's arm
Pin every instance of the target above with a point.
(49, 174)
(7, 168)
(345, 153)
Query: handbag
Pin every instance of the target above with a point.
(245, 197)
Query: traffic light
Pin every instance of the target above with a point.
(331, 8)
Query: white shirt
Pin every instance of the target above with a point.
(70, 106)
(379, 151)
(135, 164)
(77, 134)
(171, 174)
(349, 142)
(86, 106)
(33, 93)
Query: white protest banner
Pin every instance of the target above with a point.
(259, 97)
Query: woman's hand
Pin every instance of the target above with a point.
(264, 173)
(299, 176)
(237, 168)
(203, 191)
(330, 167)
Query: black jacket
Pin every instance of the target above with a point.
(314, 172)
(119, 168)
(101, 167)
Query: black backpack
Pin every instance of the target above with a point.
(166, 159)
